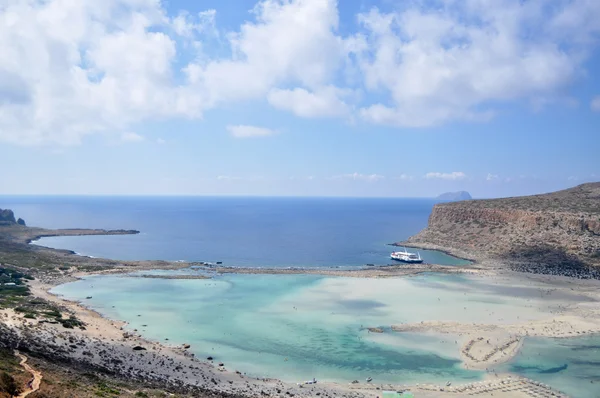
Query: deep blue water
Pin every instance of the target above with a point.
(239, 231)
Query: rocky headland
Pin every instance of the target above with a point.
(555, 233)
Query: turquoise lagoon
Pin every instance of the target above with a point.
(571, 365)
(296, 327)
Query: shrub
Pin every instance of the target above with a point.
(9, 385)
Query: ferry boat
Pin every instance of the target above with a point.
(407, 257)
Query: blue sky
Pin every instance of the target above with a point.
(299, 97)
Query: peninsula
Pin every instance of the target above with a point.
(553, 233)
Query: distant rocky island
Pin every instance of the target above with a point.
(455, 196)
(557, 232)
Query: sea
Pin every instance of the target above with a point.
(237, 231)
(296, 327)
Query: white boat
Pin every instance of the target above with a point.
(407, 257)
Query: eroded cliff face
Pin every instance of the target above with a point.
(537, 228)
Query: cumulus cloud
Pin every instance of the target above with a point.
(243, 131)
(131, 137)
(455, 175)
(324, 102)
(453, 61)
(81, 67)
(595, 104)
(73, 68)
(306, 178)
(492, 177)
(404, 177)
(228, 178)
(290, 42)
(359, 177)
(189, 26)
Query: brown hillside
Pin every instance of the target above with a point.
(559, 229)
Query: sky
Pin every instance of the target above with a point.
(299, 97)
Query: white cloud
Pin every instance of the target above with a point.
(595, 104)
(255, 178)
(131, 137)
(74, 68)
(290, 42)
(455, 60)
(188, 25)
(404, 177)
(307, 178)
(359, 177)
(455, 175)
(77, 68)
(492, 177)
(324, 102)
(160, 141)
(243, 131)
(228, 178)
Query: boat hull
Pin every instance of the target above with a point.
(407, 261)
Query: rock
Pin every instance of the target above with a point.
(209, 358)
(186, 346)
(20, 221)
(375, 330)
(7, 217)
(138, 348)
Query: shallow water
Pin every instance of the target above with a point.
(571, 365)
(296, 327)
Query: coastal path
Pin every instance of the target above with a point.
(34, 383)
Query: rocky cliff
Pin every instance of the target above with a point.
(559, 229)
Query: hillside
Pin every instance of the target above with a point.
(559, 229)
